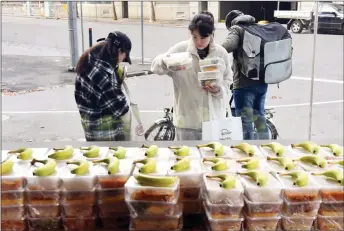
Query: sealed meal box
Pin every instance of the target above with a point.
(206, 79)
(297, 223)
(218, 193)
(108, 209)
(305, 208)
(192, 206)
(178, 61)
(261, 223)
(143, 187)
(327, 223)
(263, 209)
(12, 198)
(332, 208)
(46, 223)
(43, 210)
(77, 210)
(153, 208)
(189, 171)
(79, 223)
(12, 212)
(299, 186)
(222, 211)
(78, 197)
(330, 182)
(233, 224)
(212, 61)
(38, 197)
(109, 179)
(213, 67)
(261, 186)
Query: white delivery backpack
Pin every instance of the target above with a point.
(267, 53)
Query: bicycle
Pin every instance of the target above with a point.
(167, 131)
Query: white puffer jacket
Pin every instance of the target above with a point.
(190, 99)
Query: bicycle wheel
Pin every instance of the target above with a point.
(272, 130)
(161, 131)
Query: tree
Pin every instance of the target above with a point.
(152, 6)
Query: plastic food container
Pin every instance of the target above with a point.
(13, 224)
(108, 209)
(162, 223)
(332, 208)
(192, 206)
(152, 208)
(191, 177)
(261, 223)
(79, 197)
(232, 165)
(117, 180)
(238, 154)
(209, 61)
(43, 183)
(218, 195)
(209, 77)
(12, 212)
(297, 223)
(189, 193)
(178, 61)
(306, 208)
(78, 183)
(299, 194)
(262, 209)
(333, 223)
(43, 211)
(162, 167)
(78, 210)
(268, 193)
(330, 190)
(223, 211)
(11, 183)
(79, 223)
(44, 224)
(115, 223)
(43, 197)
(110, 195)
(134, 191)
(233, 224)
(212, 67)
(12, 197)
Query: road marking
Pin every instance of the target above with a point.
(317, 80)
(160, 111)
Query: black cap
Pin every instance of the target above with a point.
(122, 41)
(230, 16)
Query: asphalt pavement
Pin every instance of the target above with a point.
(35, 56)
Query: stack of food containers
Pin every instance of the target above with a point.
(12, 195)
(153, 205)
(113, 211)
(211, 71)
(78, 194)
(185, 164)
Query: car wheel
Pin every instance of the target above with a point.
(296, 27)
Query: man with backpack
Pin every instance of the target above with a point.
(261, 56)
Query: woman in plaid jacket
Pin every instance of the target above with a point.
(102, 105)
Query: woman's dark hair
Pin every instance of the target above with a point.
(102, 51)
(204, 23)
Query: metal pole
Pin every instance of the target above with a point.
(82, 28)
(315, 28)
(278, 5)
(90, 36)
(73, 35)
(142, 55)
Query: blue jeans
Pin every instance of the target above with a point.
(249, 105)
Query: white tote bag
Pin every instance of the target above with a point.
(221, 127)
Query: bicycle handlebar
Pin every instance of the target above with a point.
(138, 73)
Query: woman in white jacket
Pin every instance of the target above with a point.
(191, 106)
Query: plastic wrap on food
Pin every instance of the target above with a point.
(44, 224)
(219, 195)
(297, 223)
(178, 61)
(271, 192)
(330, 223)
(37, 197)
(163, 223)
(294, 193)
(79, 223)
(117, 180)
(9, 212)
(306, 208)
(234, 224)
(223, 211)
(152, 207)
(262, 209)
(332, 208)
(12, 198)
(192, 177)
(208, 78)
(43, 210)
(261, 223)
(78, 210)
(135, 191)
